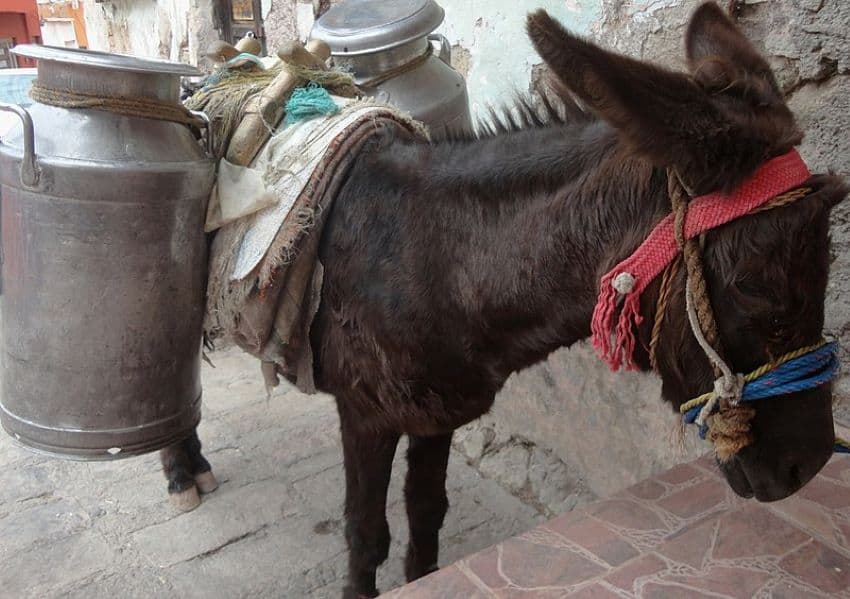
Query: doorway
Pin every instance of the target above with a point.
(7, 59)
(241, 16)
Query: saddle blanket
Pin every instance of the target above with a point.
(265, 279)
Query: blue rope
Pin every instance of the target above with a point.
(308, 102)
(808, 371)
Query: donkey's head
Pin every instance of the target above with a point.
(766, 272)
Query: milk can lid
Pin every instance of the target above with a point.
(365, 26)
(105, 60)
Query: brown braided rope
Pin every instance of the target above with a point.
(670, 274)
(729, 428)
(692, 254)
(789, 197)
(148, 108)
(399, 70)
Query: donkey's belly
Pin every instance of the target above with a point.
(425, 417)
(432, 422)
(393, 389)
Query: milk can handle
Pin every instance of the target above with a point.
(208, 126)
(445, 53)
(29, 167)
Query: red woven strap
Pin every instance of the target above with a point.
(616, 346)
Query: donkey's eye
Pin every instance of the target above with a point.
(749, 286)
(779, 328)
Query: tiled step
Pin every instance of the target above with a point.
(682, 533)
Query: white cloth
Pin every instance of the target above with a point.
(238, 192)
(266, 191)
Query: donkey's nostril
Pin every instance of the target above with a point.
(736, 477)
(787, 477)
(794, 478)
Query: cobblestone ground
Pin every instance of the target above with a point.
(272, 529)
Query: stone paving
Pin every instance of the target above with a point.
(682, 533)
(272, 529)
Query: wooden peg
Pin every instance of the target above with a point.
(294, 52)
(319, 49)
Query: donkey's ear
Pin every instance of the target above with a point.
(660, 112)
(722, 59)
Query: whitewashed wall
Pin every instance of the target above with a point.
(490, 35)
(172, 29)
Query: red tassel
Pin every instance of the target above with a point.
(603, 316)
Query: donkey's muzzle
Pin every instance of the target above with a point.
(793, 440)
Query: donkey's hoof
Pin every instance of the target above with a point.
(187, 500)
(206, 482)
(351, 593)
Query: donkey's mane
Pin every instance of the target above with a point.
(525, 111)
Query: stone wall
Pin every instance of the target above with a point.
(613, 429)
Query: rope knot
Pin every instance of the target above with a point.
(730, 431)
(623, 283)
(729, 388)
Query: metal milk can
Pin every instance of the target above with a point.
(103, 261)
(389, 48)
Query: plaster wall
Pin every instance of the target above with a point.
(171, 29)
(489, 36)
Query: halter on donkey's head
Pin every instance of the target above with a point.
(719, 413)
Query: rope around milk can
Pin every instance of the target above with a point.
(143, 107)
(399, 70)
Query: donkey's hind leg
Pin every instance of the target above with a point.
(368, 464)
(201, 469)
(187, 472)
(425, 496)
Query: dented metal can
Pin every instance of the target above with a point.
(395, 56)
(103, 264)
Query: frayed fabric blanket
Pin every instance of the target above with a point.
(265, 278)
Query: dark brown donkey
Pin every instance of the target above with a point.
(450, 265)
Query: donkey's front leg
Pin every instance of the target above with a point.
(425, 496)
(188, 473)
(368, 464)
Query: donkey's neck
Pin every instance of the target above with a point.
(547, 212)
